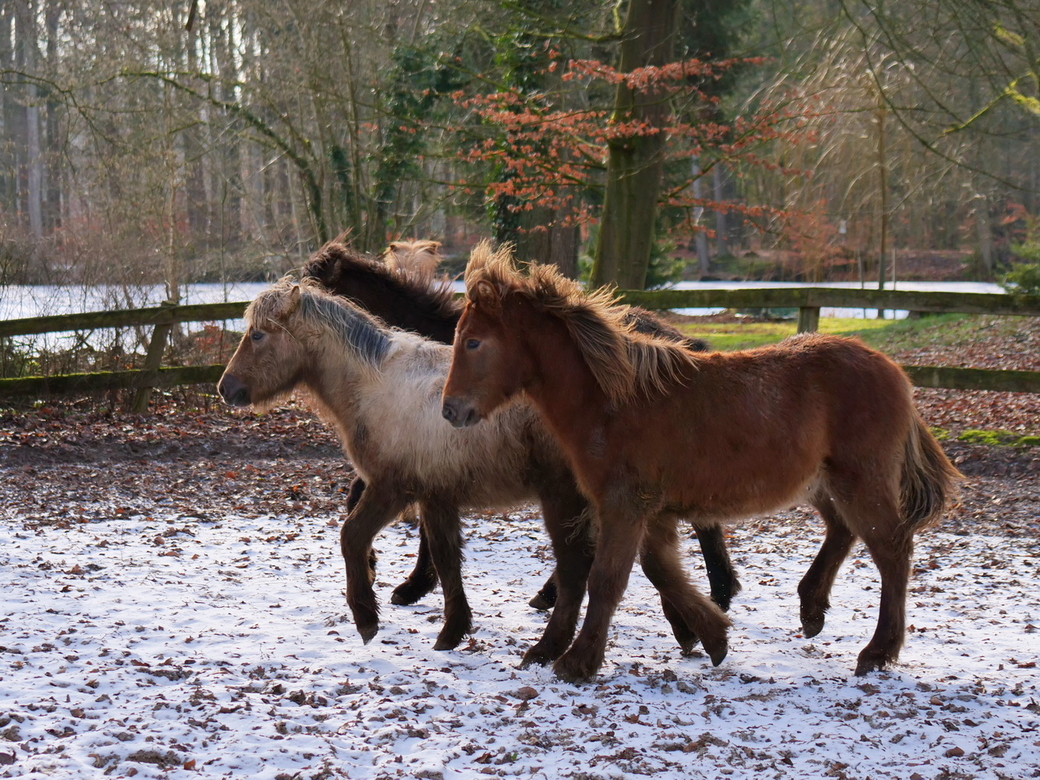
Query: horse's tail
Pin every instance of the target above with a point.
(929, 482)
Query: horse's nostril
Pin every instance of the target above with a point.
(233, 391)
(447, 412)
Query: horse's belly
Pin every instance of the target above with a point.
(736, 495)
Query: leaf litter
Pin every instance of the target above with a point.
(174, 601)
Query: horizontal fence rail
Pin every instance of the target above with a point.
(124, 318)
(808, 301)
(836, 297)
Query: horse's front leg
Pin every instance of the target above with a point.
(814, 590)
(620, 536)
(376, 507)
(354, 493)
(444, 536)
(568, 520)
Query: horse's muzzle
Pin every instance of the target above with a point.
(234, 391)
(459, 413)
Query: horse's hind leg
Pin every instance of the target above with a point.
(546, 597)
(375, 508)
(423, 578)
(721, 576)
(685, 608)
(891, 545)
(444, 533)
(814, 590)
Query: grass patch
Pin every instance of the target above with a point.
(998, 437)
(729, 336)
(886, 335)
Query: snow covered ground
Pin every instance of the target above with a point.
(138, 643)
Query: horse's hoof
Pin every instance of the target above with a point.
(687, 639)
(723, 598)
(446, 644)
(542, 602)
(536, 657)
(717, 651)
(408, 593)
(449, 639)
(368, 632)
(687, 649)
(811, 626)
(870, 661)
(574, 670)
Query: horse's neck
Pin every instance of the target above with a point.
(398, 306)
(337, 384)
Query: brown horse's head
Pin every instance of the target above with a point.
(489, 366)
(486, 368)
(268, 362)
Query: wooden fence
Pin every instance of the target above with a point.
(808, 301)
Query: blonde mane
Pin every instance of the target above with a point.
(417, 258)
(623, 361)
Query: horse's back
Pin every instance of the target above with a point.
(747, 432)
(483, 466)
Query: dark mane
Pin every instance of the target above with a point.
(404, 299)
(623, 359)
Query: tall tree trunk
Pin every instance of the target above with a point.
(700, 238)
(542, 238)
(52, 218)
(8, 158)
(635, 163)
(882, 166)
(222, 35)
(984, 230)
(718, 179)
(26, 34)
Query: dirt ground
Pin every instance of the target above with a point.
(57, 460)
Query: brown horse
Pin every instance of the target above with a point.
(404, 298)
(654, 432)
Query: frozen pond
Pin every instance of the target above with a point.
(18, 301)
(966, 287)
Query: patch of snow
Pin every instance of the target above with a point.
(134, 645)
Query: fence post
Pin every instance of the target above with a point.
(808, 319)
(152, 362)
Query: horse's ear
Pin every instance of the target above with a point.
(292, 300)
(485, 295)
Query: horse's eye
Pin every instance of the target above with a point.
(472, 343)
(256, 335)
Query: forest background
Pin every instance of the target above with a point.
(175, 141)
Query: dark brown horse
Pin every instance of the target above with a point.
(654, 432)
(407, 297)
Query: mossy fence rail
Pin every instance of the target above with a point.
(808, 301)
